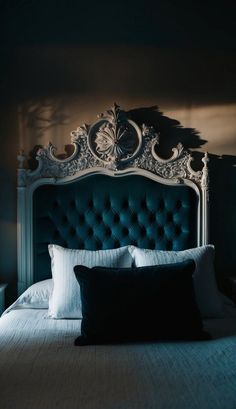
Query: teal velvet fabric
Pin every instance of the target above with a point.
(102, 212)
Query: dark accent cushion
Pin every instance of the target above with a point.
(138, 304)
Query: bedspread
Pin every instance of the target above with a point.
(40, 368)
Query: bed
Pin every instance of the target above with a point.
(114, 191)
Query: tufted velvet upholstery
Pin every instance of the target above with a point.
(101, 212)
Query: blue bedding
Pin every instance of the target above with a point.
(40, 368)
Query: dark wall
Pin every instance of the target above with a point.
(59, 70)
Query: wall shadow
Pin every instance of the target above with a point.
(40, 119)
(171, 131)
(43, 116)
(222, 174)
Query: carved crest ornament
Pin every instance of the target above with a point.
(116, 143)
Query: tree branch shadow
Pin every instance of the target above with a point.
(171, 131)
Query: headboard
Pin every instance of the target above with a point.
(114, 190)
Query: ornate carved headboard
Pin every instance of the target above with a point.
(112, 191)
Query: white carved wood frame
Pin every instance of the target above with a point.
(105, 148)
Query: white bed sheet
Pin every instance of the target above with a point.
(40, 368)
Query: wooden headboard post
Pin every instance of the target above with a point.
(115, 146)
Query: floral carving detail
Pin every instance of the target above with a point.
(80, 132)
(114, 138)
(114, 142)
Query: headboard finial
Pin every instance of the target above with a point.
(205, 177)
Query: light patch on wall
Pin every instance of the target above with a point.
(215, 123)
(40, 122)
(53, 120)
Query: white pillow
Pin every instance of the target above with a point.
(65, 301)
(206, 291)
(36, 296)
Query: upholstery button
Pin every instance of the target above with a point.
(151, 244)
(125, 231)
(169, 245)
(143, 231)
(178, 204)
(90, 231)
(55, 204)
(116, 218)
(161, 205)
(117, 243)
(72, 231)
(81, 218)
(143, 204)
(125, 204)
(151, 218)
(98, 218)
(107, 204)
(98, 245)
(178, 230)
(90, 204)
(160, 231)
(108, 231)
(169, 217)
(134, 218)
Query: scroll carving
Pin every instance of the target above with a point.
(116, 143)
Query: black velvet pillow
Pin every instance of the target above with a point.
(138, 304)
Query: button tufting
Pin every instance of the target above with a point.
(56, 233)
(143, 231)
(151, 218)
(143, 204)
(116, 218)
(151, 244)
(134, 218)
(178, 230)
(160, 231)
(90, 204)
(96, 215)
(169, 245)
(55, 204)
(72, 231)
(169, 217)
(107, 204)
(108, 231)
(81, 218)
(90, 231)
(98, 218)
(98, 245)
(117, 243)
(125, 204)
(161, 205)
(178, 204)
(125, 231)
